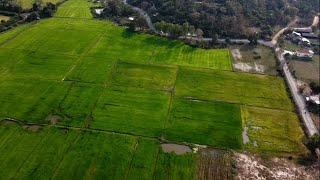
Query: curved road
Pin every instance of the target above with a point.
(143, 14)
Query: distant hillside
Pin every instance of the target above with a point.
(236, 18)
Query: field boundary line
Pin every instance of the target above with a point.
(106, 84)
(155, 164)
(170, 102)
(133, 156)
(71, 144)
(17, 172)
(16, 35)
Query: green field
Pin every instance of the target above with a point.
(76, 9)
(102, 100)
(242, 88)
(27, 4)
(43, 152)
(273, 130)
(203, 122)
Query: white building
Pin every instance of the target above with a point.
(304, 53)
(314, 99)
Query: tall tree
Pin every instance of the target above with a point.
(199, 33)
(185, 29)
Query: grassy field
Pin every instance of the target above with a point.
(312, 66)
(273, 130)
(242, 88)
(257, 59)
(27, 4)
(76, 9)
(114, 94)
(131, 110)
(41, 152)
(202, 122)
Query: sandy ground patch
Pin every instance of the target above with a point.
(253, 167)
(176, 148)
(54, 119)
(236, 54)
(33, 128)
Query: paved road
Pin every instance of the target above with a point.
(143, 14)
(298, 98)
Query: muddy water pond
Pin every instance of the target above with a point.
(176, 148)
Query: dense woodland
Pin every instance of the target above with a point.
(233, 18)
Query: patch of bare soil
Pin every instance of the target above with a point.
(245, 67)
(214, 164)
(176, 148)
(236, 54)
(7, 122)
(253, 167)
(33, 128)
(54, 119)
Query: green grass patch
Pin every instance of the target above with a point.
(120, 44)
(97, 156)
(9, 57)
(273, 130)
(216, 124)
(30, 99)
(7, 35)
(78, 104)
(92, 70)
(27, 4)
(75, 9)
(16, 150)
(242, 88)
(177, 53)
(131, 110)
(144, 76)
(71, 42)
(45, 159)
(44, 65)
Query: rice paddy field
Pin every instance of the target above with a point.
(86, 99)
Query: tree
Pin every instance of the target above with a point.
(185, 29)
(228, 41)
(199, 33)
(214, 39)
(191, 30)
(313, 142)
(141, 23)
(253, 38)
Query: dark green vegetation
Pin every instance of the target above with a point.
(43, 152)
(102, 99)
(233, 18)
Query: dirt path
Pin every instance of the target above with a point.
(279, 33)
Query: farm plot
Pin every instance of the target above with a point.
(177, 53)
(144, 76)
(70, 42)
(248, 89)
(77, 105)
(27, 4)
(4, 37)
(43, 152)
(44, 65)
(75, 24)
(9, 57)
(121, 44)
(75, 9)
(30, 99)
(92, 70)
(272, 131)
(216, 124)
(131, 110)
(16, 150)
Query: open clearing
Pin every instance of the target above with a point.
(106, 98)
